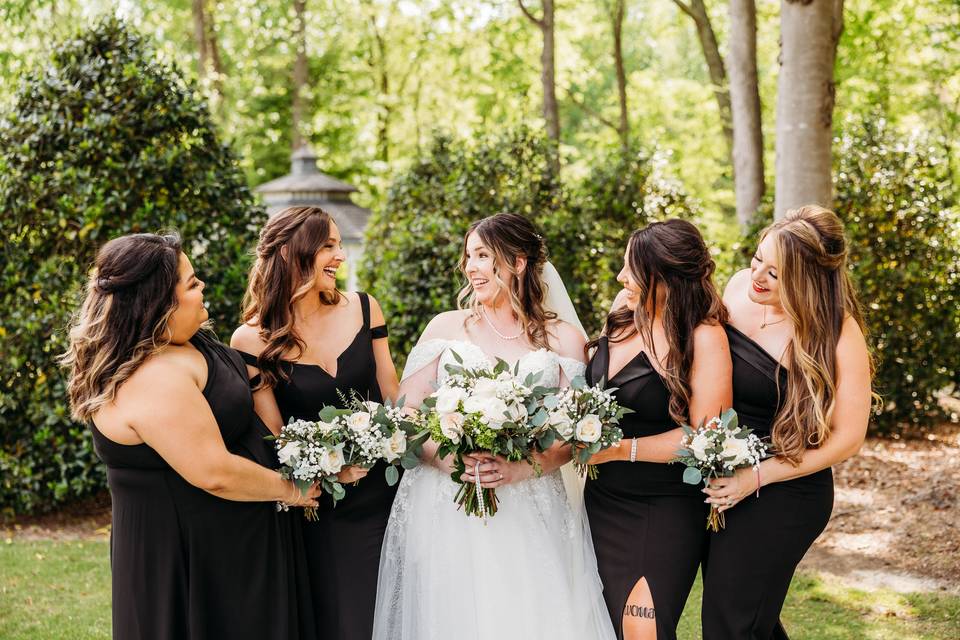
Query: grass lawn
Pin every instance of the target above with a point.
(61, 590)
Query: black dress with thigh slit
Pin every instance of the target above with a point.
(752, 560)
(343, 546)
(645, 522)
(187, 565)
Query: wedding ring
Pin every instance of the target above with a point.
(501, 476)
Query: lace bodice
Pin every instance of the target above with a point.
(542, 360)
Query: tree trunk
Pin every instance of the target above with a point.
(616, 16)
(299, 73)
(809, 33)
(711, 53)
(551, 112)
(745, 105)
(200, 36)
(213, 48)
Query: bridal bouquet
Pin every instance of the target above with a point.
(362, 434)
(490, 410)
(586, 418)
(716, 449)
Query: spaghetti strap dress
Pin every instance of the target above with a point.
(751, 562)
(645, 522)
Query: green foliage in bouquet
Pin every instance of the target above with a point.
(104, 139)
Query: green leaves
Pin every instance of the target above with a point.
(392, 475)
(103, 139)
(691, 475)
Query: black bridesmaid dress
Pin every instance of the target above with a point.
(188, 565)
(343, 546)
(645, 522)
(751, 561)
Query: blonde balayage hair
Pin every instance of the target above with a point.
(817, 294)
(124, 318)
(281, 277)
(509, 236)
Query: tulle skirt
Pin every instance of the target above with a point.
(527, 573)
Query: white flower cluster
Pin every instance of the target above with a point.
(725, 449)
(494, 400)
(313, 449)
(579, 414)
(308, 451)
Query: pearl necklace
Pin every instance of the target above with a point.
(483, 312)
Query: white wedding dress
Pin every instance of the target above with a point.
(527, 573)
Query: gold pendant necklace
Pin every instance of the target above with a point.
(764, 324)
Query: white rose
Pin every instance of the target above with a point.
(699, 446)
(474, 404)
(485, 388)
(517, 412)
(394, 446)
(288, 452)
(359, 421)
(451, 426)
(371, 406)
(493, 412)
(331, 460)
(449, 398)
(588, 429)
(737, 448)
(560, 421)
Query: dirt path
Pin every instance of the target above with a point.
(896, 519)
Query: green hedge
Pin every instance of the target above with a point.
(414, 243)
(898, 201)
(104, 139)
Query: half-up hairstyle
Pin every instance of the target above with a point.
(817, 295)
(280, 278)
(123, 320)
(509, 236)
(672, 256)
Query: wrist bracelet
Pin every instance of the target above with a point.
(633, 449)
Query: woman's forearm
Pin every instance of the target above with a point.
(243, 480)
(659, 448)
(834, 451)
(553, 458)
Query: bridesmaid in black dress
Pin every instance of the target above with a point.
(197, 548)
(795, 299)
(309, 344)
(665, 350)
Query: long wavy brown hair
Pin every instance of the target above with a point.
(124, 318)
(669, 256)
(281, 277)
(509, 236)
(817, 294)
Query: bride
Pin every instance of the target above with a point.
(529, 572)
